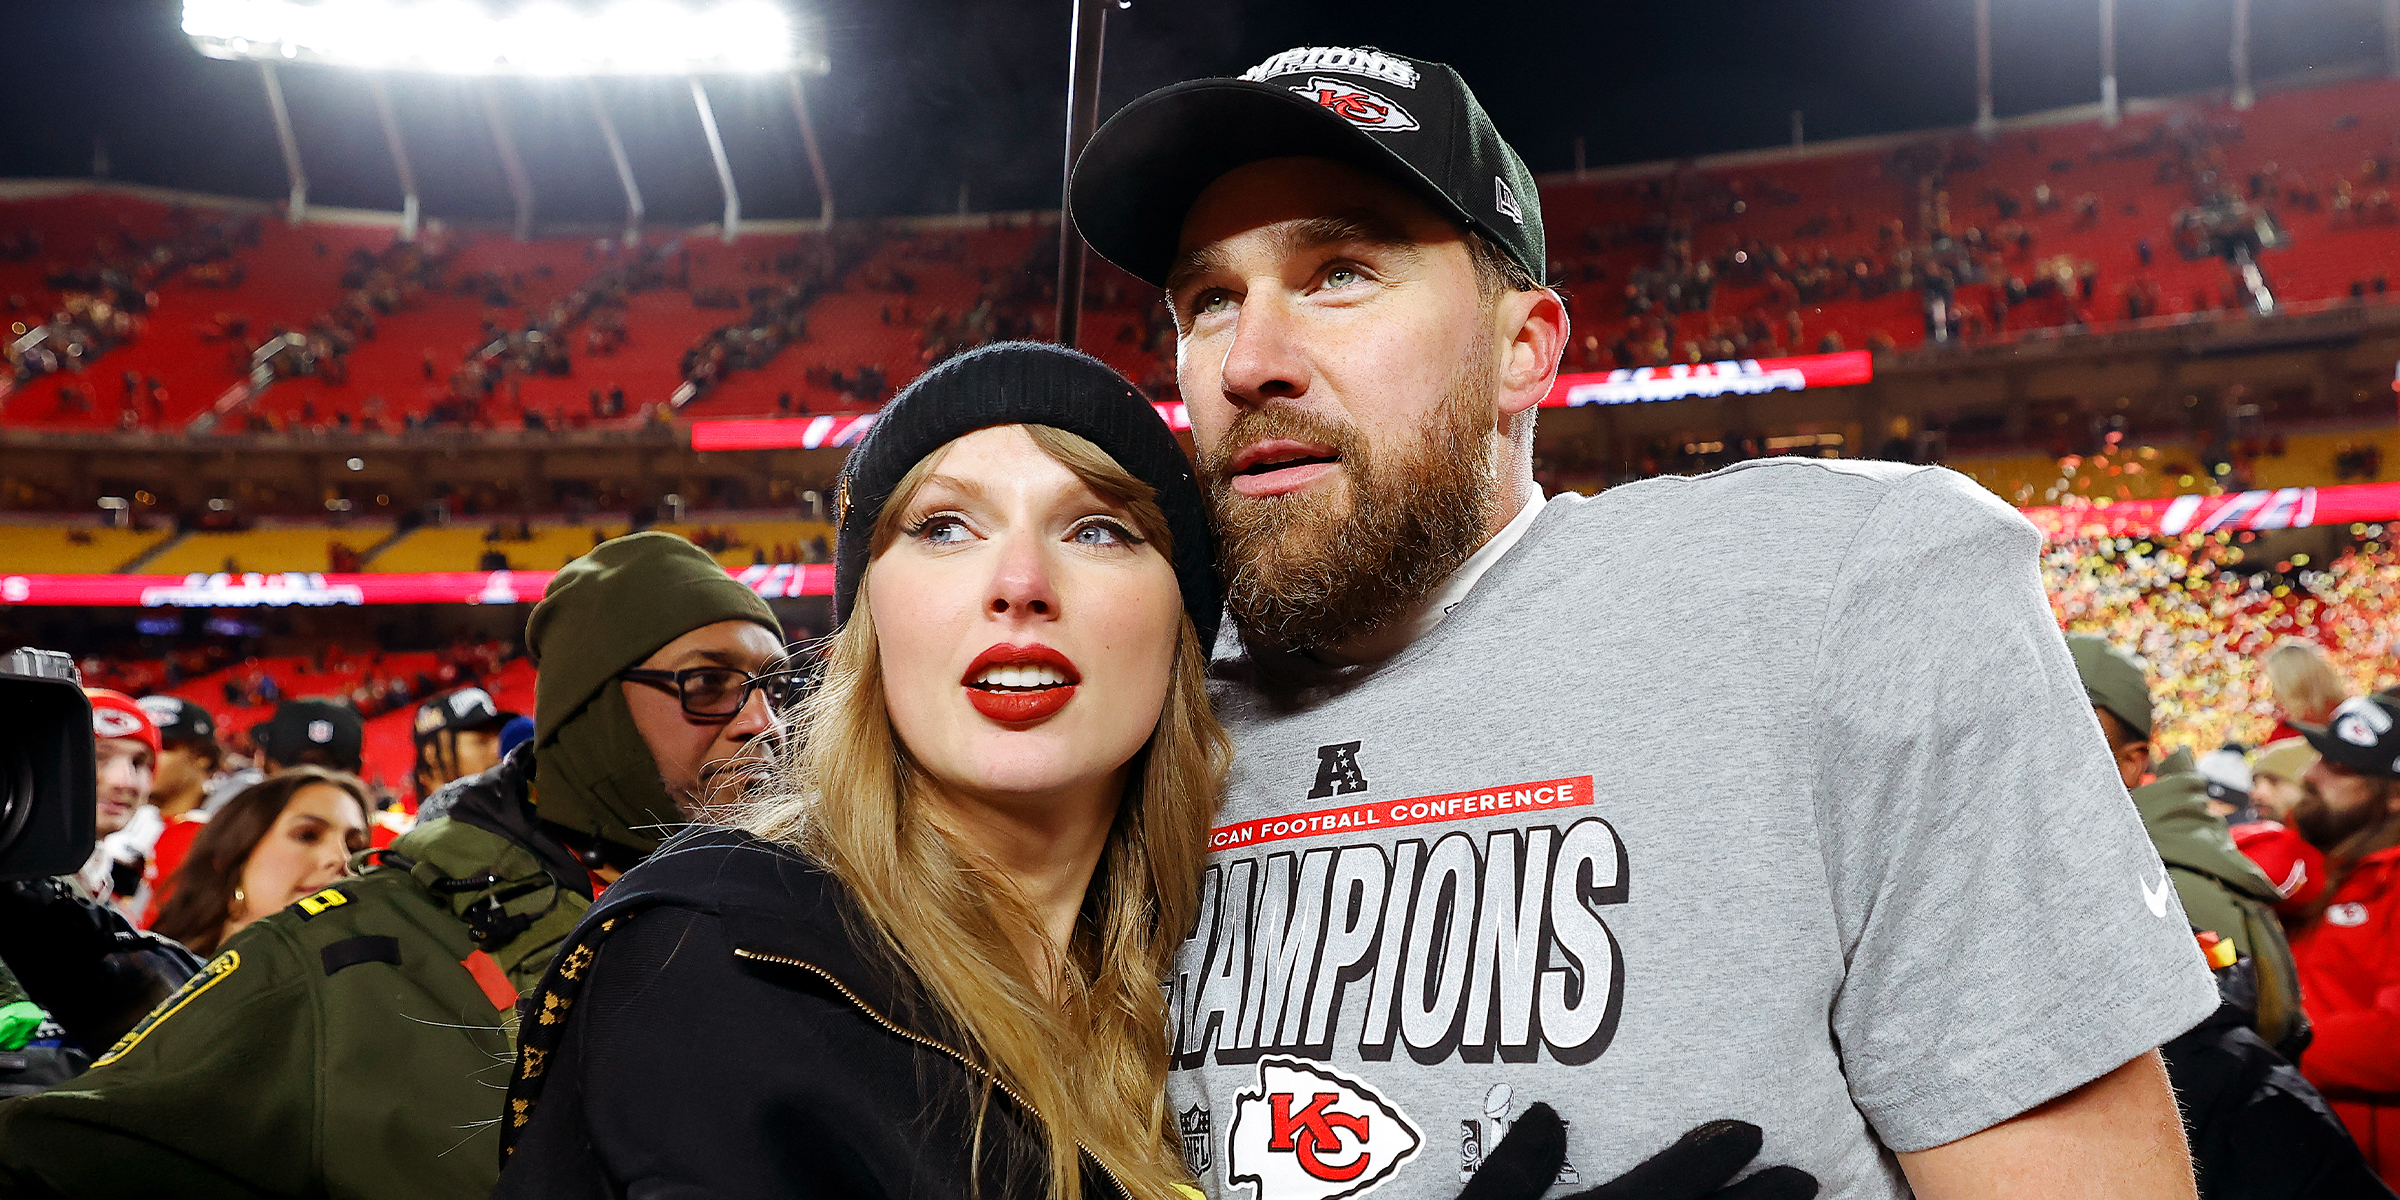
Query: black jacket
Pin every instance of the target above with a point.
(2257, 1130)
(714, 1029)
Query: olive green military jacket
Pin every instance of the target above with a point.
(2222, 891)
(357, 1044)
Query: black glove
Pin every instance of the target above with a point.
(97, 974)
(1526, 1162)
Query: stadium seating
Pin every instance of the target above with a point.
(2301, 143)
(302, 548)
(463, 547)
(748, 542)
(72, 549)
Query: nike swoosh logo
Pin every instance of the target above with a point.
(2157, 900)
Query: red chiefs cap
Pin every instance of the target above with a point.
(2296, 868)
(117, 715)
(1405, 119)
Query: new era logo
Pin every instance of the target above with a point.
(1505, 201)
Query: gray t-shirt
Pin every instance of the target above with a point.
(1769, 794)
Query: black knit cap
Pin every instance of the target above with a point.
(1026, 383)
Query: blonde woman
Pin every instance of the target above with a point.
(927, 962)
(2304, 684)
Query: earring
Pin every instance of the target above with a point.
(240, 900)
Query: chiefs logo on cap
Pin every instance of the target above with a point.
(2361, 722)
(115, 723)
(1358, 105)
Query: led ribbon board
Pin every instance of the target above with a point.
(1733, 377)
(2236, 512)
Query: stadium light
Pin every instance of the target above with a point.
(545, 38)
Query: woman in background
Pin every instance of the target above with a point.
(278, 840)
(2305, 686)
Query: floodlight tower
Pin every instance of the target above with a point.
(2109, 112)
(543, 39)
(1086, 31)
(1985, 125)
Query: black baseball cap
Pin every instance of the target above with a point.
(2362, 735)
(179, 720)
(1404, 119)
(321, 732)
(459, 710)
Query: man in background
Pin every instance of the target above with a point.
(125, 761)
(189, 759)
(457, 735)
(2258, 1129)
(2222, 891)
(2347, 940)
(311, 733)
(368, 1030)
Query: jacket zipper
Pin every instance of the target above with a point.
(930, 1044)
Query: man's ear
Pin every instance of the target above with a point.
(1534, 329)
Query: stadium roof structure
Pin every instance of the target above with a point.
(541, 40)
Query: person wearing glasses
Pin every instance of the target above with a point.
(363, 1034)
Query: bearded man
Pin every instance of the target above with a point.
(1440, 907)
(2344, 940)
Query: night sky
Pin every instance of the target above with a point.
(928, 95)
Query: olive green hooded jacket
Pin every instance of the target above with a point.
(2221, 889)
(356, 1044)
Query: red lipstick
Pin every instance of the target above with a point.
(1020, 704)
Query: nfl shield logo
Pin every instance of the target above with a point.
(1195, 1139)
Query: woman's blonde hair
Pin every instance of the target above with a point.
(2303, 681)
(1088, 1056)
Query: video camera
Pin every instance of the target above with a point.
(47, 779)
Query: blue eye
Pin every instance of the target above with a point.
(1341, 277)
(940, 529)
(1103, 533)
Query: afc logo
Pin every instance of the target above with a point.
(1337, 771)
(1310, 1132)
(1357, 105)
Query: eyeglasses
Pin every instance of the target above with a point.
(721, 691)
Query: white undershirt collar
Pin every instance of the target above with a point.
(1402, 631)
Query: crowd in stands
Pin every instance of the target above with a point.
(2040, 229)
(2201, 611)
(100, 303)
(778, 317)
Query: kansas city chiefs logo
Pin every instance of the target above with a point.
(1357, 105)
(115, 723)
(2360, 721)
(1310, 1132)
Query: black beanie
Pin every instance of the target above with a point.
(1026, 383)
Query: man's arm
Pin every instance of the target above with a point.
(2118, 1137)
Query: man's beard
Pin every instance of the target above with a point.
(1314, 570)
(2326, 829)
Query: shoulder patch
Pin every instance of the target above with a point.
(310, 906)
(211, 975)
(350, 952)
